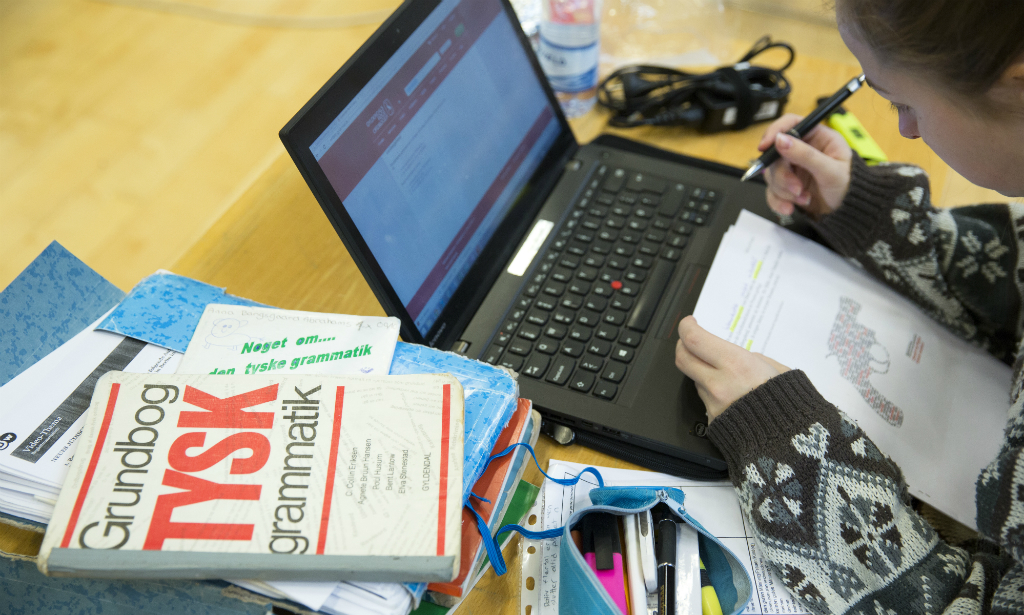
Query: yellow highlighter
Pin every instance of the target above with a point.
(847, 124)
(708, 597)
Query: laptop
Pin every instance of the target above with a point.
(441, 156)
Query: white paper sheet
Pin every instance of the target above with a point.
(713, 504)
(932, 402)
(368, 599)
(309, 595)
(24, 505)
(239, 339)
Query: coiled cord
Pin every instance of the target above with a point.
(643, 95)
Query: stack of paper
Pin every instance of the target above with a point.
(368, 598)
(931, 401)
(44, 411)
(386, 598)
(44, 404)
(50, 358)
(149, 331)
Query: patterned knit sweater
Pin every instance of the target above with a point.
(829, 510)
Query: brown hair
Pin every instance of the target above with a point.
(966, 44)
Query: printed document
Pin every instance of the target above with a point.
(44, 413)
(929, 400)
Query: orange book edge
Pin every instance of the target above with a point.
(488, 486)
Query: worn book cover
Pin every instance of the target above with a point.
(501, 476)
(305, 477)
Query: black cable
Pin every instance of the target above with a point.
(644, 95)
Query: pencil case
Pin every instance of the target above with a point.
(580, 592)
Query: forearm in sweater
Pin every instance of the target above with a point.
(829, 510)
(958, 264)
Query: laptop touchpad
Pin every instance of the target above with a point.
(682, 301)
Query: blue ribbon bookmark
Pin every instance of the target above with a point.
(490, 542)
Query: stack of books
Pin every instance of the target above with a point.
(190, 434)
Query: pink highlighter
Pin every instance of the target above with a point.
(602, 551)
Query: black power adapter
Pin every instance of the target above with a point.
(729, 98)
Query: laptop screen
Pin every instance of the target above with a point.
(431, 154)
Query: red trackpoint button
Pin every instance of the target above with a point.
(616, 285)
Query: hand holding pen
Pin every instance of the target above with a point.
(813, 172)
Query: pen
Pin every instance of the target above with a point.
(634, 566)
(665, 543)
(648, 564)
(800, 131)
(708, 596)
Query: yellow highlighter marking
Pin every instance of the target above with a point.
(757, 269)
(749, 344)
(737, 319)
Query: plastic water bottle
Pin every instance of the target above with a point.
(569, 50)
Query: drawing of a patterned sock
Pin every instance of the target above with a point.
(860, 355)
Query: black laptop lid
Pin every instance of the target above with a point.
(428, 151)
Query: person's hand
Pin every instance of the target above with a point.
(723, 371)
(813, 174)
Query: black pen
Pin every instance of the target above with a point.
(665, 545)
(800, 131)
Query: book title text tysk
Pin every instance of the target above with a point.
(136, 449)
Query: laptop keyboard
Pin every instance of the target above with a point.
(589, 302)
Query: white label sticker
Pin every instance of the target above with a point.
(534, 241)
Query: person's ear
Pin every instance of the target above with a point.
(1010, 86)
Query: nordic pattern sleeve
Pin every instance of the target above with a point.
(960, 265)
(1000, 501)
(831, 513)
(965, 267)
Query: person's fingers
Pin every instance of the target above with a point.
(707, 347)
(807, 185)
(787, 191)
(705, 378)
(787, 179)
(688, 363)
(828, 172)
(804, 155)
(780, 206)
(778, 366)
(783, 181)
(710, 403)
(782, 124)
(830, 142)
(827, 178)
